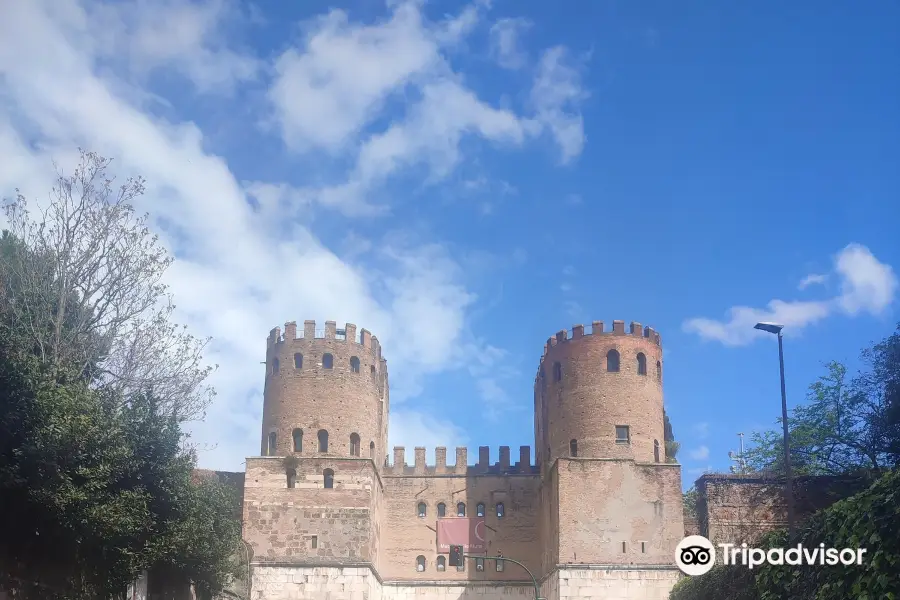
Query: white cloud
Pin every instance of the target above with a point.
(505, 45)
(332, 92)
(557, 93)
(867, 286)
(812, 279)
(245, 262)
(700, 453)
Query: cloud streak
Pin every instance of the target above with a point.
(867, 286)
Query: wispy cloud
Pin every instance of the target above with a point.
(867, 286)
(701, 430)
(506, 46)
(812, 279)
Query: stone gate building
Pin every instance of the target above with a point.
(595, 513)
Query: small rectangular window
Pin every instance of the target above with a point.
(624, 550)
(622, 434)
(643, 547)
(314, 542)
(499, 565)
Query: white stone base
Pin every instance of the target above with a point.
(613, 583)
(360, 583)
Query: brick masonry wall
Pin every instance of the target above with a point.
(610, 584)
(603, 503)
(279, 522)
(312, 398)
(588, 402)
(405, 536)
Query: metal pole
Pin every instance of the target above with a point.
(788, 484)
(537, 592)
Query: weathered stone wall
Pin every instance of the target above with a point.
(610, 583)
(741, 508)
(309, 522)
(604, 504)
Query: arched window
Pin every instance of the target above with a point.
(372, 371)
(276, 365)
(499, 563)
(354, 444)
(461, 509)
(441, 563)
(641, 363)
(658, 371)
(442, 510)
(270, 449)
(323, 440)
(327, 361)
(298, 360)
(354, 364)
(573, 447)
(297, 435)
(328, 476)
(372, 450)
(501, 511)
(291, 478)
(420, 563)
(557, 372)
(612, 361)
(421, 510)
(655, 450)
(479, 509)
(479, 564)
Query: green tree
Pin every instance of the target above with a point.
(672, 446)
(848, 424)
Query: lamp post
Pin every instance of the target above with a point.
(788, 485)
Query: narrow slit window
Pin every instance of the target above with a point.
(354, 444)
(372, 450)
(314, 542)
(573, 448)
(298, 361)
(643, 547)
(276, 366)
(624, 548)
(291, 478)
(442, 510)
(297, 435)
(270, 449)
(323, 440)
(557, 372)
(658, 371)
(501, 511)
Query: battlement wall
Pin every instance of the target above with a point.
(461, 466)
(597, 328)
(311, 332)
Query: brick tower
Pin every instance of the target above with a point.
(312, 496)
(609, 498)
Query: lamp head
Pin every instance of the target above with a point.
(770, 327)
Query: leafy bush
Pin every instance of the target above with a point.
(869, 520)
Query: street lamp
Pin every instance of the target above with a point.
(788, 485)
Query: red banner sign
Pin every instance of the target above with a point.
(461, 531)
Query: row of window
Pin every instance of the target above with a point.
(327, 363)
(422, 510)
(612, 365)
(623, 436)
(441, 564)
(322, 435)
(327, 478)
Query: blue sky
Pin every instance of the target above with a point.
(466, 179)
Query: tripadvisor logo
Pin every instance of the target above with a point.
(696, 555)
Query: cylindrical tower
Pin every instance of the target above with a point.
(326, 393)
(599, 395)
